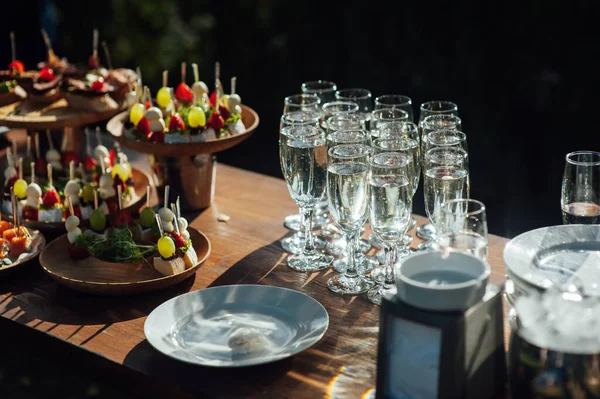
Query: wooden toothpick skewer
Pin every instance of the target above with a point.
(183, 68)
(159, 224)
(49, 169)
(95, 199)
(36, 138)
(120, 196)
(88, 144)
(233, 81)
(10, 160)
(98, 138)
(28, 152)
(166, 203)
(71, 209)
(49, 136)
(165, 77)
(13, 46)
(107, 55)
(21, 168)
(48, 43)
(196, 75)
(148, 196)
(33, 172)
(95, 45)
(82, 172)
(178, 208)
(176, 222)
(72, 170)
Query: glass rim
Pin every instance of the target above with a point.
(367, 151)
(351, 104)
(389, 154)
(366, 94)
(427, 120)
(452, 106)
(448, 149)
(328, 86)
(595, 154)
(462, 136)
(288, 99)
(408, 100)
(314, 117)
(446, 204)
(394, 124)
(361, 132)
(390, 118)
(376, 143)
(312, 131)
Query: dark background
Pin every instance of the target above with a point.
(524, 75)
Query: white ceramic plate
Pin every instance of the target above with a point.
(557, 255)
(236, 325)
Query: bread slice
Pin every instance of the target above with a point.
(169, 267)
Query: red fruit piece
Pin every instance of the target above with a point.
(216, 121)
(123, 218)
(97, 85)
(16, 67)
(156, 137)
(47, 74)
(77, 252)
(11, 182)
(184, 93)
(176, 123)
(224, 112)
(148, 104)
(70, 156)
(30, 213)
(178, 239)
(143, 126)
(89, 163)
(213, 99)
(112, 155)
(93, 62)
(40, 167)
(51, 198)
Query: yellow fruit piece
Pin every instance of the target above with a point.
(163, 97)
(166, 247)
(196, 117)
(136, 113)
(20, 188)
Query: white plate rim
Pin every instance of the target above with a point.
(156, 344)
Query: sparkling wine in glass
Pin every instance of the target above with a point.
(395, 101)
(580, 199)
(303, 161)
(301, 102)
(362, 97)
(323, 89)
(382, 117)
(348, 197)
(463, 227)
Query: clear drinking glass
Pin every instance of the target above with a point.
(301, 102)
(384, 116)
(362, 97)
(463, 227)
(324, 89)
(445, 177)
(433, 123)
(348, 195)
(446, 138)
(295, 243)
(343, 122)
(303, 157)
(395, 101)
(580, 199)
(390, 207)
(429, 108)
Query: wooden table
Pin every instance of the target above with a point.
(105, 336)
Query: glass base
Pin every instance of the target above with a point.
(427, 232)
(377, 243)
(292, 222)
(339, 246)
(295, 244)
(428, 246)
(311, 263)
(341, 284)
(364, 264)
(375, 294)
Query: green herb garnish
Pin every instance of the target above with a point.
(118, 247)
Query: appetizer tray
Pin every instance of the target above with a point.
(181, 149)
(95, 276)
(137, 200)
(38, 243)
(58, 115)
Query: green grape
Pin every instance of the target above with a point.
(163, 97)
(125, 171)
(87, 193)
(20, 188)
(166, 247)
(97, 220)
(147, 217)
(196, 117)
(136, 113)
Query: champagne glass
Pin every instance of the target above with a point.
(362, 97)
(303, 162)
(295, 244)
(429, 108)
(348, 193)
(339, 246)
(301, 102)
(390, 207)
(395, 101)
(343, 122)
(445, 177)
(580, 199)
(385, 116)
(446, 138)
(463, 227)
(433, 123)
(323, 89)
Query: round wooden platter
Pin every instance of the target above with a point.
(38, 243)
(95, 276)
(136, 202)
(115, 127)
(58, 115)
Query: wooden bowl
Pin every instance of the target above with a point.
(117, 130)
(38, 243)
(138, 200)
(95, 276)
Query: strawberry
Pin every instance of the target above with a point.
(179, 243)
(148, 105)
(143, 126)
(112, 156)
(47, 74)
(51, 198)
(16, 68)
(184, 93)
(97, 85)
(157, 137)
(89, 163)
(176, 123)
(30, 213)
(224, 112)
(70, 156)
(213, 99)
(216, 121)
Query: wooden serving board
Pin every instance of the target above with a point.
(96, 276)
(115, 127)
(58, 115)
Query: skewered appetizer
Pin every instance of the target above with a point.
(16, 240)
(59, 65)
(186, 114)
(10, 177)
(51, 209)
(15, 81)
(176, 253)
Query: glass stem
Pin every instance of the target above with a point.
(390, 261)
(307, 214)
(301, 232)
(351, 239)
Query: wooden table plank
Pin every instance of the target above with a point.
(244, 250)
